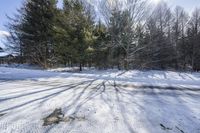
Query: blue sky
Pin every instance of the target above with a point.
(189, 5)
(9, 7)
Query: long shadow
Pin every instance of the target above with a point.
(90, 82)
(119, 103)
(162, 87)
(123, 111)
(33, 89)
(149, 90)
(44, 97)
(108, 100)
(161, 99)
(187, 119)
(121, 92)
(53, 88)
(88, 93)
(184, 75)
(80, 95)
(167, 91)
(93, 92)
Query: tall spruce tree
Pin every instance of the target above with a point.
(33, 31)
(78, 31)
(100, 49)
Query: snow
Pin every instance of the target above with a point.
(20, 66)
(111, 101)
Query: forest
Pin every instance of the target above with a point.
(129, 34)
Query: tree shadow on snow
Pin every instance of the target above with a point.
(118, 99)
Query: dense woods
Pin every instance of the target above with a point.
(128, 34)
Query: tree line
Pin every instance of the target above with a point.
(129, 34)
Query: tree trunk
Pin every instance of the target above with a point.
(80, 67)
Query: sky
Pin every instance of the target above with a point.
(8, 7)
(189, 5)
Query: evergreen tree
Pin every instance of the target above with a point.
(125, 37)
(100, 49)
(33, 31)
(76, 32)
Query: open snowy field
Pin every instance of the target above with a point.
(100, 101)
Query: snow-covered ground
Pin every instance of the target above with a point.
(109, 101)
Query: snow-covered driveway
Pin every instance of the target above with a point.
(109, 101)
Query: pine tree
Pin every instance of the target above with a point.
(100, 49)
(76, 32)
(34, 31)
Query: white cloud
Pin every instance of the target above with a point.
(4, 33)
